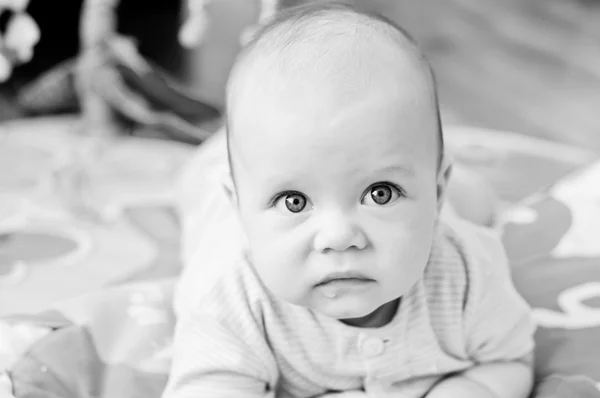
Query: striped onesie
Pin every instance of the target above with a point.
(234, 339)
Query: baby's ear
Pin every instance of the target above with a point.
(443, 178)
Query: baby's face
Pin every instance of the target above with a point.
(339, 203)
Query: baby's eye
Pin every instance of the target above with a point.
(382, 194)
(294, 202)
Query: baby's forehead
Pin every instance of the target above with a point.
(335, 44)
(325, 60)
(321, 130)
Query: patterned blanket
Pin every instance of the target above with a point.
(115, 341)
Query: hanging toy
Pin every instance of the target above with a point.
(194, 28)
(21, 35)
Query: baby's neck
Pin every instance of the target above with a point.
(376, 319)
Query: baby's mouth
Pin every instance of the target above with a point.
(337, 278)
(339, 284)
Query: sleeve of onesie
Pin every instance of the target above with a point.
(498, 322)
(211, 361)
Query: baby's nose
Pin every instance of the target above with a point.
(338, 232)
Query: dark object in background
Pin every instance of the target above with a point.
(154, 23)
(146, 97)
(139, 93)
(59, 39)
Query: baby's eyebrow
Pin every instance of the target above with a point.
(406, 170)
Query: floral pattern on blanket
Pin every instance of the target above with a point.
(116, 342)
(558, 272)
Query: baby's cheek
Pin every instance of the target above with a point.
(405, 248)
(280, 268)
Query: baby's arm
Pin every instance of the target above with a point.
(494, 380)
(209, 360)
(498, 327)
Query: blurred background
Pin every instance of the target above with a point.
(95, 123)
(99, 185)
(528, 66)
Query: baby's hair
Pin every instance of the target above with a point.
(290, 26)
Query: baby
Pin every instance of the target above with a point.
(343, 280)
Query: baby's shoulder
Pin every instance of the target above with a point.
(226, 286)
(464, 259)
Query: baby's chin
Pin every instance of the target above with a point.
(352, 309)
(362, 307)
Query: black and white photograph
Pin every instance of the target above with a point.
(299, 199)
